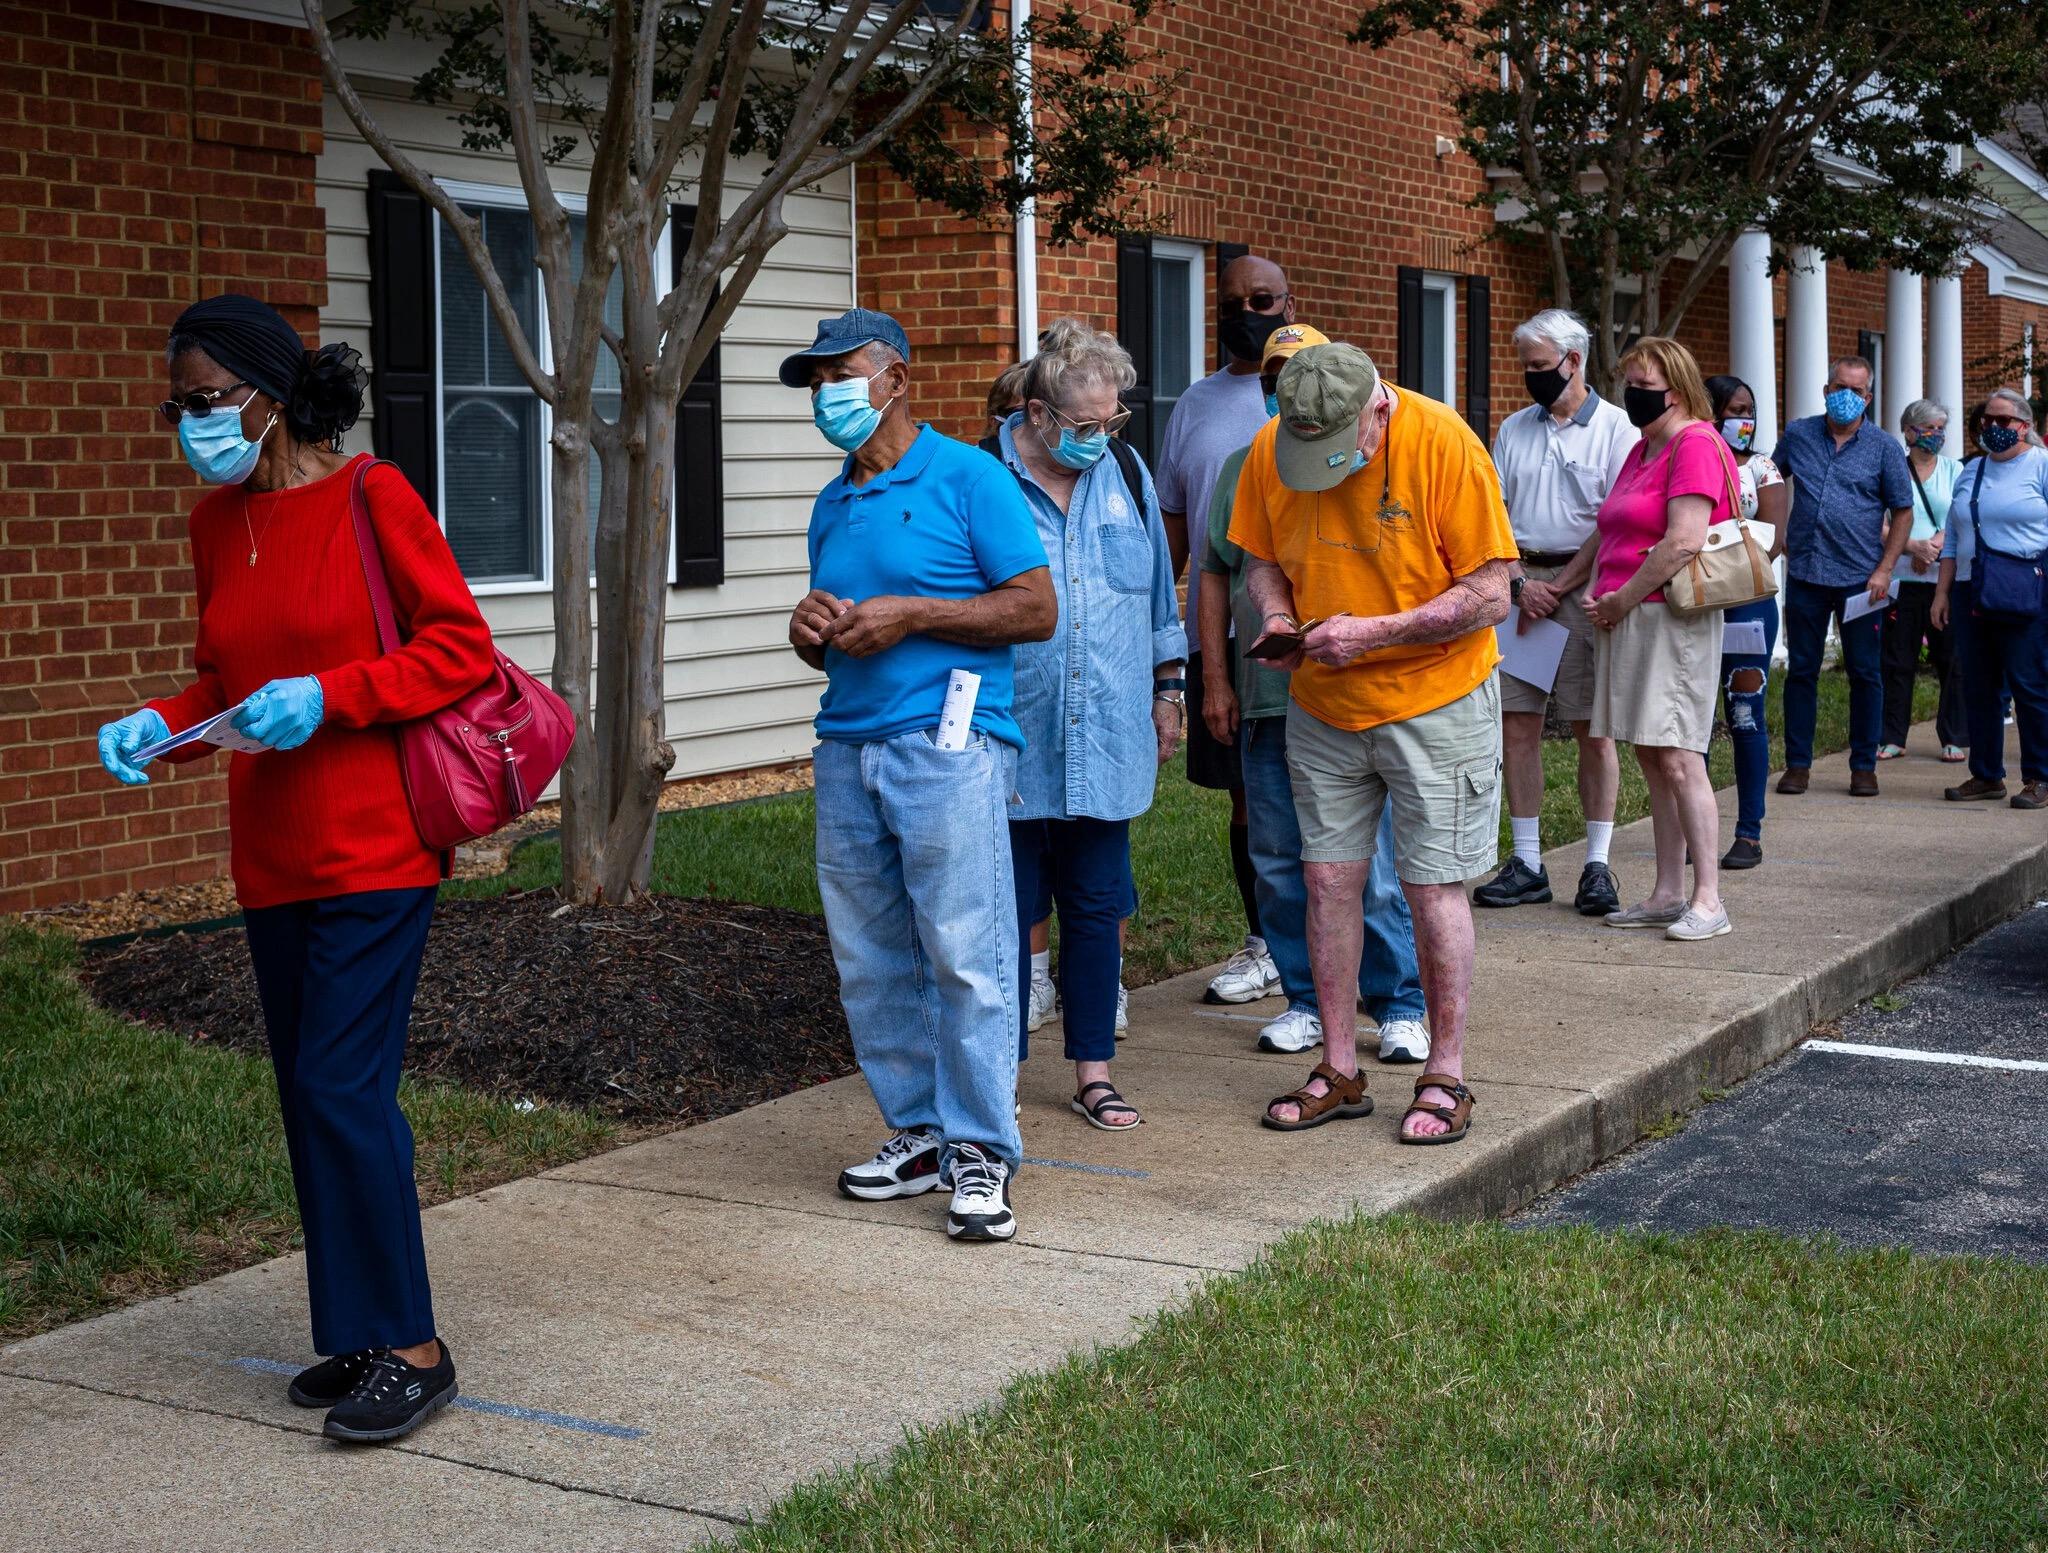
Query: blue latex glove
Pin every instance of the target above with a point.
(120, 740)
(283, 714)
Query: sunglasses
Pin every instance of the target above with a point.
(198, 405)
(1108, 428)
(2013, 421)
(1258, 302)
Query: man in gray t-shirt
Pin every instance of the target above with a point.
(1211, 421)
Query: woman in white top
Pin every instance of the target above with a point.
(1924, 425)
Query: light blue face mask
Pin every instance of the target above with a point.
(1844, 406)
(842, 412)
(1272, 405)
(1080, 452)
(215, 447)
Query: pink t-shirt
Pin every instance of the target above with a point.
(1635, 515)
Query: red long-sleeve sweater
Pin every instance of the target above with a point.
(330, 817)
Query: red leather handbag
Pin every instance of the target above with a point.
(480, 763)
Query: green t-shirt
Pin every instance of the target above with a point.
(1261, 691)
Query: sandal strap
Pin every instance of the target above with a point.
(1454, 1087)
(1343, 1090)
(1109, 1102)
(1089, 1089)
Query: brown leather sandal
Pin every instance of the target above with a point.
(1346, 1098)
(1458, 1115)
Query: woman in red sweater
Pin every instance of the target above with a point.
(335, 884)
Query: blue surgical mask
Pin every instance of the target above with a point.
(215, 447)
(1079, 452)
(842, 412)
(1272, 405)
(1845, 405)
(1358, 459)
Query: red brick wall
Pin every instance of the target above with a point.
(1992, 329)
(147, 157)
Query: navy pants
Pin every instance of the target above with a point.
(336, 978)
(1089, 864)
(1808, 607)
(2002, 653)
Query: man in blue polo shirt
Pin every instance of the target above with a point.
(1852, 512)
(924, 560)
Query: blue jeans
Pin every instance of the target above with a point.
(2002, 654)
(1808, 608)
(1087, 866)
(1748, 729)
(1387, 976)
(923, 920)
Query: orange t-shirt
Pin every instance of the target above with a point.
(1393, 536)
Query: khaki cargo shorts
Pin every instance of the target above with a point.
(1573, 691)
(1440, 771)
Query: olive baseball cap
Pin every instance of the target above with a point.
(1323, 390)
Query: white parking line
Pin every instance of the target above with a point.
(1217, 1013)
(1908, 1054)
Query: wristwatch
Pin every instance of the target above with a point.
(1515, 590)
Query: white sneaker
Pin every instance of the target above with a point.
(1123, 1009)
(981, 1196)
(1404, 1040)
(1297, 1030)
(1249, 976)
(1044, 1002)
(905, 1166)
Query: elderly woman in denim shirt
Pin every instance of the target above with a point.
(1101, 704)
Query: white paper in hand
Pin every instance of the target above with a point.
(1531, 655)
(218, 730)
(956, 717)
(1860, 604)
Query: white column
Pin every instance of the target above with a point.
(1806, 333)
(1752, 348)
(1945, 354)
(1903, 379)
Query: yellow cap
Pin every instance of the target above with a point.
(1289, 338)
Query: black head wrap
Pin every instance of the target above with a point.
(321, 391)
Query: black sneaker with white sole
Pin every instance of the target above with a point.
(981, 1195)
(1517, 884)
(905, 1166)
(392, 1398)
(327, 1382)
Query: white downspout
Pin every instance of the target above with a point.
(1027, 214)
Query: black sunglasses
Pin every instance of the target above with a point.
(198, 405)
(1258, 302)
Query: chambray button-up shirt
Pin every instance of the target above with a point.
(1084, 698)
(1842, 500)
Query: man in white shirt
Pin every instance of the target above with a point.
(1557, 460)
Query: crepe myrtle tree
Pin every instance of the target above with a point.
(663, 97)
(1639, 141)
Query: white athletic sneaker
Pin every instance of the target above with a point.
(1249, 976)
(903, 1167)
(1123, 1009)
(1404, 1040)
(1045, 1000)
(981, 1196)
(1297, 1030)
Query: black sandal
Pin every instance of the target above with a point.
(1110, 1101)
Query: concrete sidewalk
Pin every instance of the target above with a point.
(655, 1343)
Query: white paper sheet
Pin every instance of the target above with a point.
(1860, 605)
(215, 730)
(1532, 656)
(956, 716)
(1744, 637)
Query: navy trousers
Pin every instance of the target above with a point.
(336, 978)
(1808, 607)
(2002, 654)
(1089, 864)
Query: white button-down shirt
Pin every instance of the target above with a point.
(1554, 476)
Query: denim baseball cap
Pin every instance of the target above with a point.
(836, 336)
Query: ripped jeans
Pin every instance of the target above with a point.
(1743, 678)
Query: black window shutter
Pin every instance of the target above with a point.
(700, 463)
(1408, 327)
(1226, 255)
(403, 334)
(1479, 355)
(1134, 330)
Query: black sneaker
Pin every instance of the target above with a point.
(903, 1167)
(327, 1382)
(1598, 893)
(392, 1398)
(1743, 853)
(1515, 885)
(981, 1196)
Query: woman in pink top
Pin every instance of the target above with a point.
(1655, 671)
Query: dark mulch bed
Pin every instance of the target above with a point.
(672, 1011)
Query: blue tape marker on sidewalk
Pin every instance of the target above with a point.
(1093, 1170)
(531, 1415)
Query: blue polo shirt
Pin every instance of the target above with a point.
(946, 522)
(1842, 499)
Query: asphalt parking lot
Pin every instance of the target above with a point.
(1935, 1138)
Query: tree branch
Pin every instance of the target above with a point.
(550, 220)
(732, 89)
(689, 98)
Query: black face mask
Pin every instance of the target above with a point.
(1245, 334)
(1643, 405)
(1546, 384)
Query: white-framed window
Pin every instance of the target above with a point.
(1439, 334)
(1178, 361)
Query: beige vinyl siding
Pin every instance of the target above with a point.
(736, 695)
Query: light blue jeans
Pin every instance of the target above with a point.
(914, 869)
(1388, 979)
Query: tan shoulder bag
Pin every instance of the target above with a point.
(1731, 567)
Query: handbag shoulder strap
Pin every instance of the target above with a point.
(1727, 471)
(1924, 500)
(374, 576)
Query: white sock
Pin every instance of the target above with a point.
(1041, 965)
(1598, 834)
(1527, 845)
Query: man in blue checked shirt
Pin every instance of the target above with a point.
(1852, 513)
(924, 560)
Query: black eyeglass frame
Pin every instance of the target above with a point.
(200, 403)
(1257, 302)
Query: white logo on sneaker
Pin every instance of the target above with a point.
(412, 1392)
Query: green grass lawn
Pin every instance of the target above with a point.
(1188, 915)
(1396, 1384)
(137, 1162)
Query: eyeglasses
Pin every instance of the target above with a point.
(1258, 302)
(1104, 428)
(198, 405)
(2014, 421)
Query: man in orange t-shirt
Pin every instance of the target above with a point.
(1379, 560)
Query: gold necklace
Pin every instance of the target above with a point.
(252, 528)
